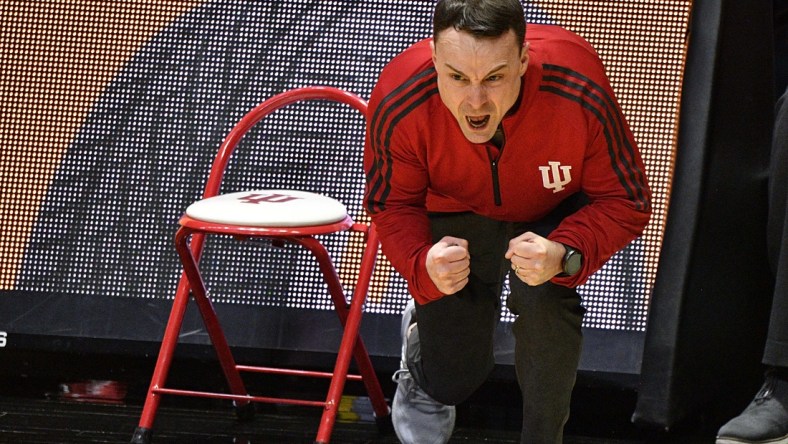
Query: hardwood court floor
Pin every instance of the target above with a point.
(25, 420)
(39, 420)
(34, 410)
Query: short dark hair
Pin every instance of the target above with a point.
(480, 18)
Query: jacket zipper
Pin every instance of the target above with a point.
(494, 170)
(494, 164)
(496, 186)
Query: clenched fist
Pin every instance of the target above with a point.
(449, 264)
(535, 259)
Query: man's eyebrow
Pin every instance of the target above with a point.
(495, 69)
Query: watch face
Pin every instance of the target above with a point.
(573, 263)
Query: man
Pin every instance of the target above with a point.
(487, 153)
(765, 420)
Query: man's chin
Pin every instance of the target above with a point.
(477, 136)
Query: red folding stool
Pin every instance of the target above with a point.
(282, 216)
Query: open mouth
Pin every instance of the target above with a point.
(477, 122)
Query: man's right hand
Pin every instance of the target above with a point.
(449, 264)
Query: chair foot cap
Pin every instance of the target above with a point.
(141, 436)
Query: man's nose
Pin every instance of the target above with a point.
(477, 96)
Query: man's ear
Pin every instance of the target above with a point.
(524, 58)
(432, 49)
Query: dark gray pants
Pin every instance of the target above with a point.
(776, 351)
(456, 332)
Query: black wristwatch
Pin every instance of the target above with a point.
(572, 262)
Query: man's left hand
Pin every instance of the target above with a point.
(535, 259)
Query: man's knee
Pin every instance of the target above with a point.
(451, 387)
(448, 374)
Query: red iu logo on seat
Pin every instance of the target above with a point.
(270, 198)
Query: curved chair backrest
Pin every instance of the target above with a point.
(262, 110)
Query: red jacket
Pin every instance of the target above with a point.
(566, 121)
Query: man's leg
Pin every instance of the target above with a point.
(765, 420)
(449, 349)
(776, 351)
(548, 341)
(417, 418)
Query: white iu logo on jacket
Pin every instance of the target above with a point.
(555, 176)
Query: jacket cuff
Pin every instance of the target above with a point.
(421, 286)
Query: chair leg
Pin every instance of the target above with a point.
(152, 400)
(370, 379)
(367, 371)
(351, 344)
(212, 325)
(347, 346)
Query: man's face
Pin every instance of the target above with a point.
(478, 79)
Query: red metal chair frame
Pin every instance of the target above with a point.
(349, 313)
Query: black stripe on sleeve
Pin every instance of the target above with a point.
(581, 89)
(392, 108)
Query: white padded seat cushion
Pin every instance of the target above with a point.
(269, 208)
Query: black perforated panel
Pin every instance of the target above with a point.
(113, 112)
